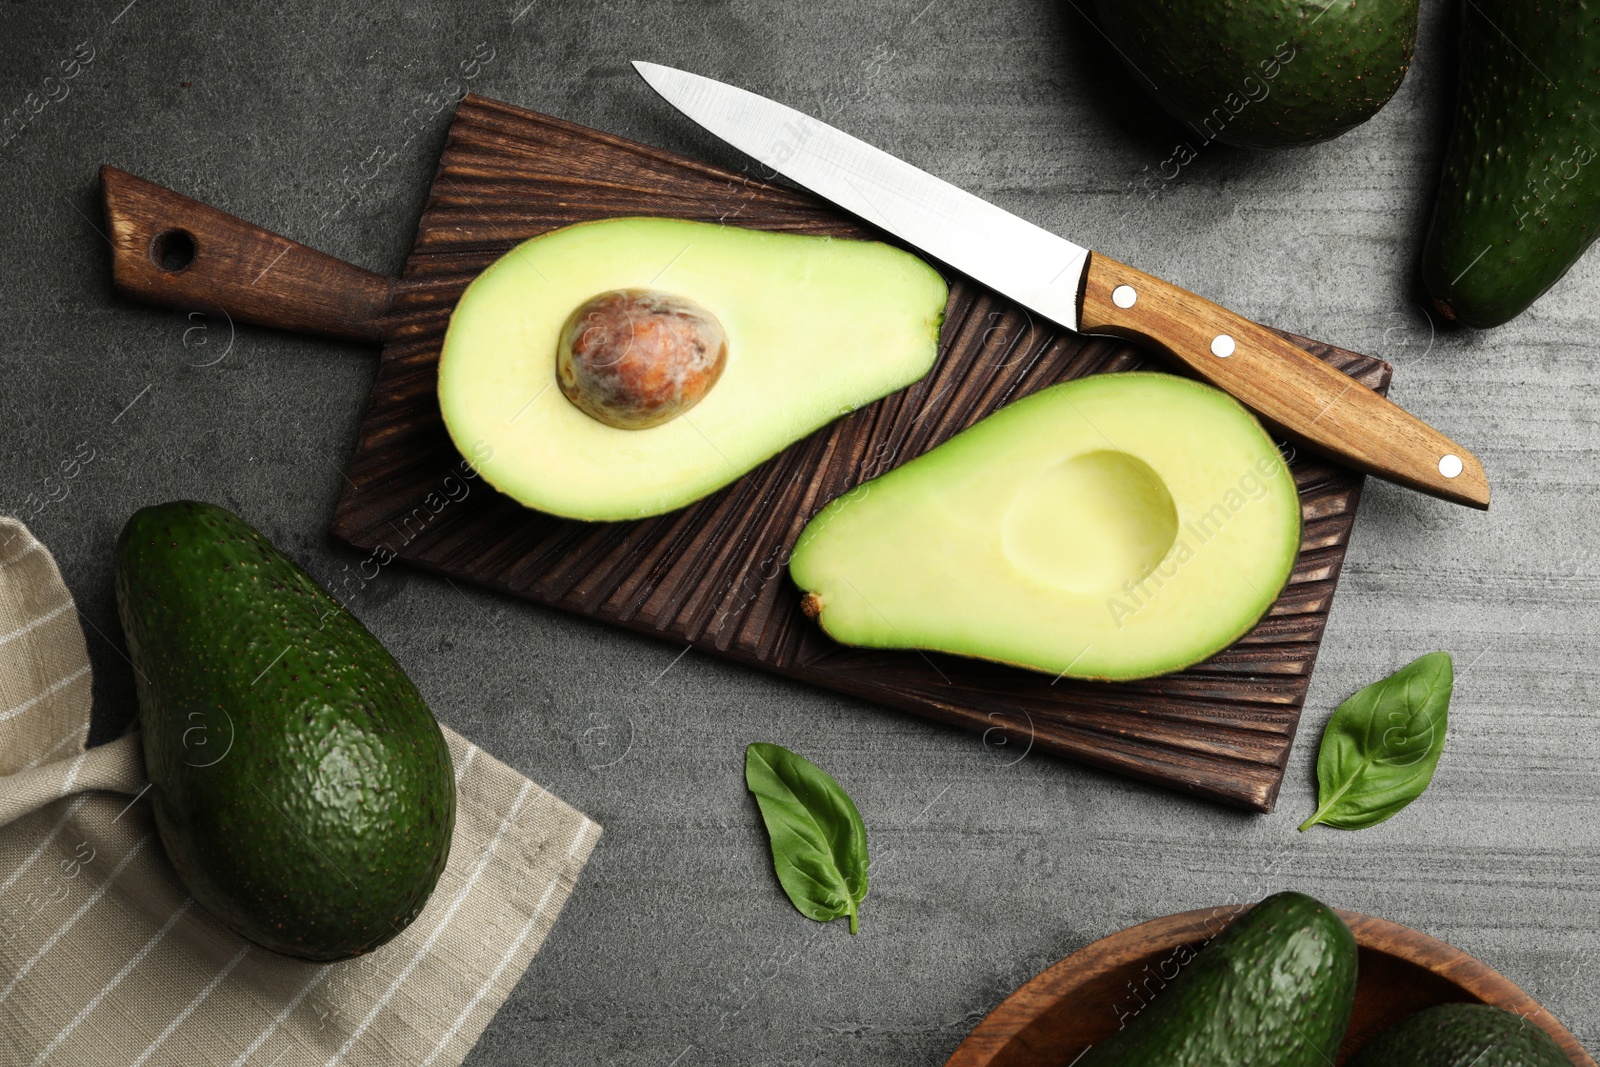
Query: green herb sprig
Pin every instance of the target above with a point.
(1380, 748)
(819, 843)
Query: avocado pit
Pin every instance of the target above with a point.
(636, 358)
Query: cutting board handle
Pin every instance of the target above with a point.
(170, 250)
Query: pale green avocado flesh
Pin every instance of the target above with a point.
(816, 327)
(1118, 526)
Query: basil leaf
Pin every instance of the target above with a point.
(819, 844)
(1380, 748)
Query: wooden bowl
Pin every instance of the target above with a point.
(1084, 998)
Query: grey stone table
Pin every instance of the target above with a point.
(677, 947)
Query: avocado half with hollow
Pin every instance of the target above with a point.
(623, 368)
(1115, 527)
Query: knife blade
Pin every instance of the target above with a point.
(1084, 291)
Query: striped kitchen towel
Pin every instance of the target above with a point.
(106, 960)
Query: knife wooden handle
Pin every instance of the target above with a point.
(1305, 397)
(170, 250)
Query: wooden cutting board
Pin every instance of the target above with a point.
(713, 575)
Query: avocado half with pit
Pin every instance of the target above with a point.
(626, 367)
(1114, 527)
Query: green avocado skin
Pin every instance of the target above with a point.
(1265, 73)
(300, 784)
(1276, 987)
(1519, 199)
(1462, 1035)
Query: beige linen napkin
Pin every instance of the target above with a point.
(106, 960)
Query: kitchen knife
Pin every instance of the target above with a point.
(1085, 291)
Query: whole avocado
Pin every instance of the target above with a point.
(300, 784)
(1462, 1035)
(1276, 987)
(1519, 198)
(1265, 73)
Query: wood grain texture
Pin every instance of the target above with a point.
(227, 265)
(713, 574)
(1085, 998)
(1303, 398)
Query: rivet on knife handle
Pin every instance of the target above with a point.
(1284, 384)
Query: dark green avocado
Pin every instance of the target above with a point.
(1462, 1035)
(301, 786)
(1265, 73)
(1519, 199)
(1274, 989)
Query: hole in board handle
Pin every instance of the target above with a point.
(173, 250)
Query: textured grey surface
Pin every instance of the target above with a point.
(323, 122)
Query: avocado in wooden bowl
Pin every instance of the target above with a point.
(1082, 1000)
